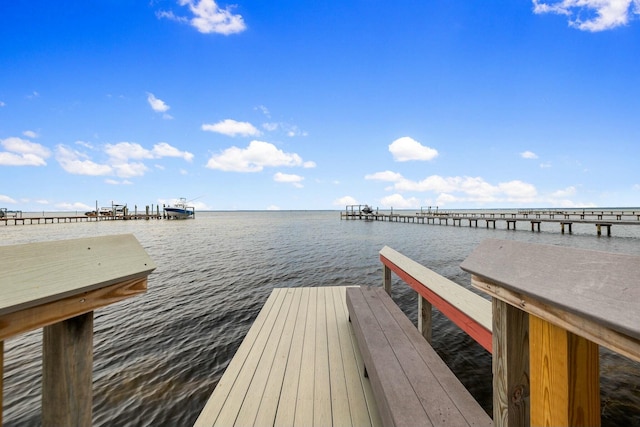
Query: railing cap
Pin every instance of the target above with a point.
(37, 273)
(600, 286)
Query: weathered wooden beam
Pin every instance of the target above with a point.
(511, 404)
(16, 323)
(565, 377)
(425, 318)
(37, 273)
(67, 365)
(386, 279)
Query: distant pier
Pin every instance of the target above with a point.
(602, 219)
(113, 213)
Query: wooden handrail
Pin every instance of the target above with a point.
(469, 311)
(57, 286)
(559, 304)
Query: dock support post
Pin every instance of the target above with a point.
(1, 377)
(511, 388)
(424, 318)
(386, 279)
(565, 377)
(67, 367)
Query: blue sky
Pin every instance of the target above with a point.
(317, 104)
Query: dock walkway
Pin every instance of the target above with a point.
(299, 364)
(601, 219)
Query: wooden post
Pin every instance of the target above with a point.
(386, 279)
(67, 387)
(565, 388)
(511, 406)
(1, 377)
(424, 318)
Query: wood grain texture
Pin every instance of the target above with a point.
(15, 323)
(67, 366)
(1, 377)
(598, 286)
(412, 385)
(298, 365)
(38, 273)
(590, 329)
(511, 388)
(564, 377)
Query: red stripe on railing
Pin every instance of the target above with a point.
(474, 329)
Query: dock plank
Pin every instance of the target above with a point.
(218, 399)
(278, 335)
(269, 403)
(285, 415)
(304, 401)
(322, 385)
(359, 392)
(298, 365)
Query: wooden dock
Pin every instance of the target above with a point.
(550, 311)
(298, 365)
(601, 219)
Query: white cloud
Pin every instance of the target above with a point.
(21, 152)
(387, 176)
(30, 134)
(129, 170)
(116, 182)
(79, 164)
(123, 151)
(345, 201)
(76, 206)
(2, 104)
(210, 18)
(273, 208)
(561, 194)
(591, 15)
(296, 180)
(461, 188)
(162, 149)
(7, 199)
(231, 127)
(254, 158)
(405, 149)
(528, 155)
(158, 105)
(264, 110)
(399, 202)
(119, 159)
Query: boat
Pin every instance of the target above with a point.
(180, 210)
(367, 210)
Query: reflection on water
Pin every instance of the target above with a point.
(158, 356)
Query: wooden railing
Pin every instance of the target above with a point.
(469, 311)
(57, 286)
(551, 308)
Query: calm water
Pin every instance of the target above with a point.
(158, 357)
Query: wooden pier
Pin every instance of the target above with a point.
(19, 218)
(304, 363)
(602, 219)
(347, 355)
